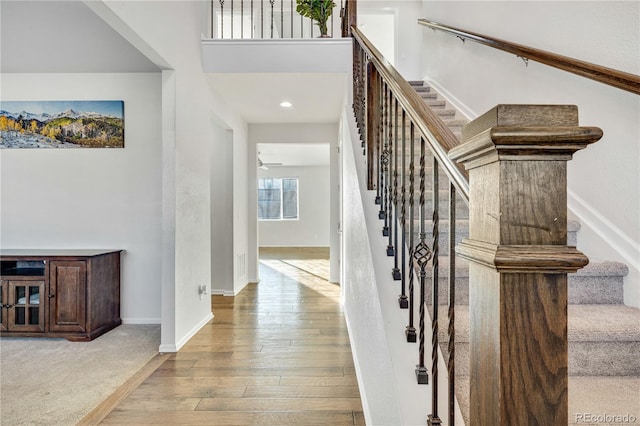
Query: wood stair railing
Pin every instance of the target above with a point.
(517, 246)
(612, 77)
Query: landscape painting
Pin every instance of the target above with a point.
(61, 124)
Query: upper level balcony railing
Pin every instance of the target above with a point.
(268, 19)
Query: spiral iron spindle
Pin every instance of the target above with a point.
(362, 98)
(433, 417)
(221, 18)
(410, 330)
(451, 329)
(362, 77)
(422, 256)
(403, 301)
(212, 19)
(272, 2)
(395, 272)
(385, 164)
(379, 133)
(388, 183)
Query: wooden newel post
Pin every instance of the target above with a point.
(519, 259)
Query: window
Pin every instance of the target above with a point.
(277, 198)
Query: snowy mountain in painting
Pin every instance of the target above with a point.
(44, 117)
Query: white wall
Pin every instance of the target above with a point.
(222, 212)
(172, 30)
(92, 198)
(382, 356)
(407, 33)
(312, 227)
(298, 133)
(604, 178)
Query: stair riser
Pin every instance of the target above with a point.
(585, 358)
(461, 210)
(582, 289)
(443, 240)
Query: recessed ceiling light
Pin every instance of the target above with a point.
(285, 104)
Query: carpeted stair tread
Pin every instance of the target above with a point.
(587, 323)
(593, 323)
(594, 269)
(593, 395)
(603, 269)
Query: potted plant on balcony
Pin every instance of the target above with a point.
(318, 10)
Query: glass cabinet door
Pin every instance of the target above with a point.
(26, 310)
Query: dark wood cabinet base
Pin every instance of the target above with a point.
(72, 294)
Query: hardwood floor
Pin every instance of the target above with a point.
(276, 354)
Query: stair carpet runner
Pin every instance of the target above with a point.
(603, 333)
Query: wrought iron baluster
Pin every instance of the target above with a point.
(311, 25)
(261, 18)
(363, 99)
(272, 3)
(385, 164)
(221, 18)
(451, 329)
(387, 168)
(212, 18)
(422, 256)
(231, 19)
(252, 19)
(410, 330)
(301, 27)
(395, 271)
(433, 417)
(379, 147)
(403, 301)
(292, 10)
(241, 18)
(281, 18)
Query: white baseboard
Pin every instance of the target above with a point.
(221, 292)
(606, 241)
(175, 348)
(363, 394)
(240, 288)
(141, 321)
(628, 249)
(167, 349)
(467, 112)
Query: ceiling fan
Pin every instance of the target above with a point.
(265, 166)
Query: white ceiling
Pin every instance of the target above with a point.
(68, 37)
(316, 98)
(62, 37)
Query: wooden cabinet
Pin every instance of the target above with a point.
(60, 293)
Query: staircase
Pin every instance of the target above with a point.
(603, 333)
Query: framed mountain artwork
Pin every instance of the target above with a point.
(61, 124)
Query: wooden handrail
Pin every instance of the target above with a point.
(612, 77)
(437, 135)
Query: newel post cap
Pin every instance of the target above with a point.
(523, 132)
